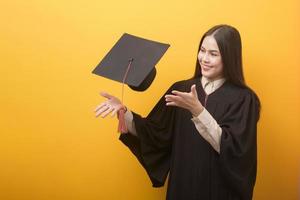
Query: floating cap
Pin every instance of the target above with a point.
(132, 60)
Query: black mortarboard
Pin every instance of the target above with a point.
(134, 55)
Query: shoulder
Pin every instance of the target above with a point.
(184, 85)
(235, 93)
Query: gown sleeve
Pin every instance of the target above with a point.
(238, 157)
(152, 145)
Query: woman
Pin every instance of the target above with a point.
(203, 131)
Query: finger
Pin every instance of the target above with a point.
(175, 98)
(106, 95)
(171, 104)
(178, 93)
(101, 110)
(99, 106)
(113, 113)
(194, 91)
(175, 102)
(104, 114)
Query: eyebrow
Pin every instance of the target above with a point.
(210, 50)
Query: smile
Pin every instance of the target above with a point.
(206, 67)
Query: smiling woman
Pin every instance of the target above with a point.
(203, 131)
(210, 59)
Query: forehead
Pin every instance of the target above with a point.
(210, 43)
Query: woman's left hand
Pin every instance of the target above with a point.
(187, 100)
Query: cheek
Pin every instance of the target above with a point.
(218, 62)
(199, 57)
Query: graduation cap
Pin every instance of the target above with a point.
(132, 61)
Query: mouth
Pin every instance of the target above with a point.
(205, 67)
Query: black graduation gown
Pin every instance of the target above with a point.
(168, 142)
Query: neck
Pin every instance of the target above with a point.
(213, 79)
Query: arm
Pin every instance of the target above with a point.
(153, 145)
(209, 129)
(113, 105)
(204, 122)
(130, 123)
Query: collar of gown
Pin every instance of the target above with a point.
(210, 86)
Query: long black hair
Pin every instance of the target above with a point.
(229, 42)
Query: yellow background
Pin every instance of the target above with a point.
(51, 145)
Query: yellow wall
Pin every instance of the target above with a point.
(51, 145)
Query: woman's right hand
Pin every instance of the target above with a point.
(111, 105)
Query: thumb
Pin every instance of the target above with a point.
(194, 91)
(106, 95)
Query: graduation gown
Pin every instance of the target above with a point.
(168, 142)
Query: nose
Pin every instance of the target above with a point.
(205, 58)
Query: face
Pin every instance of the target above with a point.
(210, 59)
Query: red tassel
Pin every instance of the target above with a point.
(122, 128)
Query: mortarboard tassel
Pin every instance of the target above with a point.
(122, 128)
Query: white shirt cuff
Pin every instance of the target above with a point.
(208, 128)
(128, 116)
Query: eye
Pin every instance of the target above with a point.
(202, 50)
(214, 54)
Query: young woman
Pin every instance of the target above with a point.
(203, 130)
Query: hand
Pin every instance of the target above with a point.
(187, 100)
(111, 105)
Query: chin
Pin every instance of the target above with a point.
(205, 74)
(210, 75)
